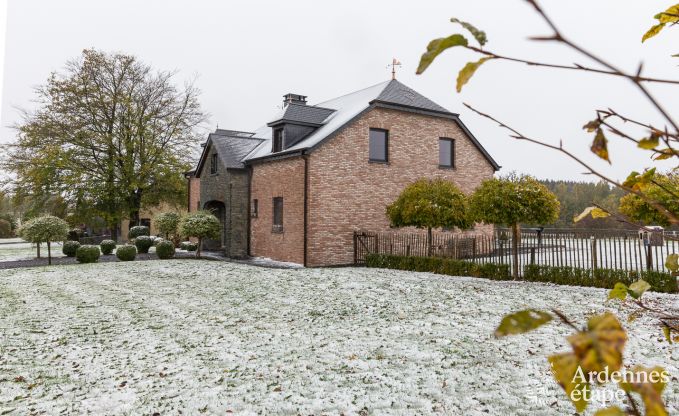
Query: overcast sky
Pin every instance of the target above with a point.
(247, 54)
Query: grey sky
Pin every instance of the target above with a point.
(247, 54)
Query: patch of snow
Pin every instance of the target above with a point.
(212, 337)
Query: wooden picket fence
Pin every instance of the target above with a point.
(587, 249)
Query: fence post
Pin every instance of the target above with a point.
(355, 249)
(532, 256)
(408, 250)
(649, 257)
(592, 242)
(502, 252)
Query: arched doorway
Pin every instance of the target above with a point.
(219, 211)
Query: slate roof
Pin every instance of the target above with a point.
(301, 113)
(232, 147)
(333, 115)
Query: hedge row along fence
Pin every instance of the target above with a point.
(440, 265)
(601, 278)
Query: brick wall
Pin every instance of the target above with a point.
(194, 194)
(348, 193)
(279, 178)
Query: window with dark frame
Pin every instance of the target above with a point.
(277, 214)
(446, 152)
(378, 145)
(213, 163)
(254, 210)
(277, 140)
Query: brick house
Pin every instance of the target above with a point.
(296, 189)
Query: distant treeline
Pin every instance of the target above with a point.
(576, 196)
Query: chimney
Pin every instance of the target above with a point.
(294, 98)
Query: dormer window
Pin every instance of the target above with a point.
(213, 164)
(277, 139)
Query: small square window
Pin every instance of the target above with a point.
(213, 163)
(277, 215)
(379, 145)
(446, 153)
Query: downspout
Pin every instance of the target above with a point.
(249, 214)
(306, 203)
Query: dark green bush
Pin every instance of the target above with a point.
(70, 247)
(137, 231)
(107, 246)
(165, 249)
(143, 243)
(440, 265)
(601, 278)
(126, 253)
(188, 246)
(87, 254)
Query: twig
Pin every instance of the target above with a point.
(674, 219)
(565, 320)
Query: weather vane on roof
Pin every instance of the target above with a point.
(394, 63)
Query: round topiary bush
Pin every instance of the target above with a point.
(188, 246)
(165, 249)
(107, 246)
(87, 254)
(137, 231)
(143, 243)
(70, 247)
(126, 253)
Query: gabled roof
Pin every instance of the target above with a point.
(389, 94)
(302, 113)
(232, 146)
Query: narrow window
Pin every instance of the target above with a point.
(277, 140)
(213, 164)
(379, 145)
(446, 153)
(254, 209)
(277, 214)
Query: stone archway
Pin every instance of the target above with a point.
(219, 210)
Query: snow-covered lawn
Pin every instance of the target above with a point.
(214, 337)
(16, 249)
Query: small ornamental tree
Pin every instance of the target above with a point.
(430, 204)
(200, 224)
(661, 188)
(168, 224)
(45, 229)
(513, 200)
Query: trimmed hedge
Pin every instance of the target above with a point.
(143, 243)
(138, 230)
(601, 278)
(188, 246)
(440, 265)
(87, 254)
(165, 249)
(70, 247)
(107, 246)
(126, 253)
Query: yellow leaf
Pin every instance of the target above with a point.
(601, 346)
(672, 262)
(595, 212)
(649, 383)
(649, 143)
(619, 291)
(638, 288)
(566, 372)
(468, 71)
(437, 46)
(600, 145)
(521, 322)
(654, 30)
(671, 15)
